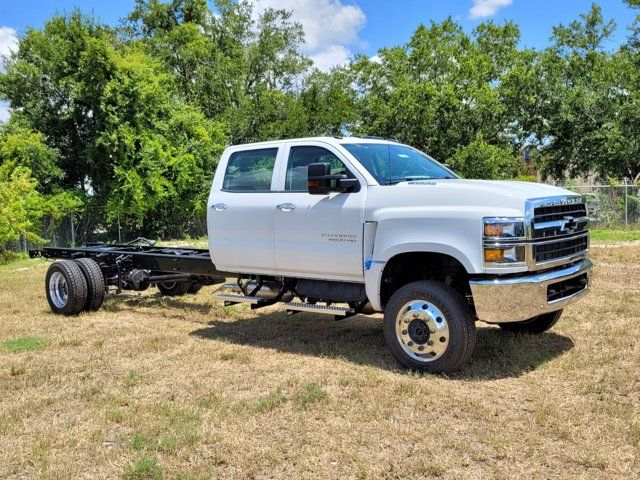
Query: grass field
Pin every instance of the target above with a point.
(151, 387)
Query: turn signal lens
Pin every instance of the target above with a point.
(493, 254)
(504, 256)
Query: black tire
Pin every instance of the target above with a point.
(194, 288)
(96, 287)
(458, 320)
(66, 288)
(173, 289)
(535, 325)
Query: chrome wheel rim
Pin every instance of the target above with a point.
(168, 285)
(422, 330)
(58, 290)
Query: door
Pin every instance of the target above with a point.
(317, 236)
(241, 213)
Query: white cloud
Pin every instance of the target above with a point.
(331, 27)
(4, 111)
(331, 56)
(8, 43)
(375, 59)
(487, 8)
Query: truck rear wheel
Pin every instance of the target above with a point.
(96, 288)
(66, 288)
(429, 327)
(538, 324)
(173, 289)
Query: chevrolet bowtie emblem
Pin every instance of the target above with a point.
(569, 225)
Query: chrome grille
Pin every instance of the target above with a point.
(554, 213)
(544, 252)
(559, 230)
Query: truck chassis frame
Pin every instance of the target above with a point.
(140, 264)
(121, 262)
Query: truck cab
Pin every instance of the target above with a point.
(377, 226)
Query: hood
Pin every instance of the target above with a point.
(503, 188)
(487, 197)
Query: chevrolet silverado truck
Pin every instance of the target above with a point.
(361, 225)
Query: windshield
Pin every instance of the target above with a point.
(392, 163)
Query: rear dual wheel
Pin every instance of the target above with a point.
(74, 285)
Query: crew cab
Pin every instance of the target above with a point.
(354, 225)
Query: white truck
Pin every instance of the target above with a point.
(359, 225)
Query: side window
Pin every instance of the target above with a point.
(250, 170)
(301, 157)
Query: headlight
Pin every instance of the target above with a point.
(501, 236)
(503, 227)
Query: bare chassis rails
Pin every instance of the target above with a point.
(120, 263)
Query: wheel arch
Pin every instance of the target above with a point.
(423, 262)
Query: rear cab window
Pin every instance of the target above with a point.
(250, 170)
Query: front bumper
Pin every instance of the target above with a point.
(513, 299)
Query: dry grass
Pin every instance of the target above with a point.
(151, 387)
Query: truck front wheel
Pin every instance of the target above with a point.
(429, 327)
(538, 324)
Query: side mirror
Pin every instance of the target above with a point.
(319, 180)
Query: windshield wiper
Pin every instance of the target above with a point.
(413, 178)
(409, 179)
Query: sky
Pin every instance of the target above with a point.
(337, 29)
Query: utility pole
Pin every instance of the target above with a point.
(626, 204)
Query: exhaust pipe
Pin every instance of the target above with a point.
(269, 289)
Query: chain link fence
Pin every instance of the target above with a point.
(608, 206)
(90, 225)
(611, 206)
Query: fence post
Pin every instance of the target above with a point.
(626, 204)
(73, 230)
(119, 230)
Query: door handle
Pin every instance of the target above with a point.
(286, 207)
(219, 207)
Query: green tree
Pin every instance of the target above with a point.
(23, 207)
(117, 121)
(162, 151)
(442, 90)
(480, 159)
(231, 65)
(584, 91)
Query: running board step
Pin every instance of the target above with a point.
(311, 308)
(232, 298)
(292, 307)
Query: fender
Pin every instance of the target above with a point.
(373, 274)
